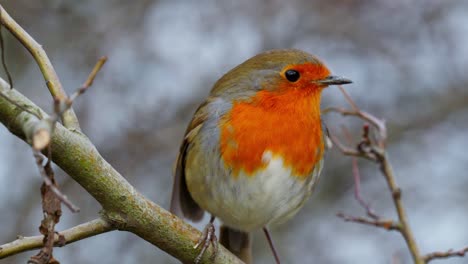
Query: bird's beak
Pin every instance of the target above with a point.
(334, 80)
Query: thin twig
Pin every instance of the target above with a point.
(357, 191)
(85, 230)
(92, 75)
(62, 105)
(356, 111)
(52, 211)
(377, 123)
(348, 151)
(2, 51)
(387, 171)
(447, 254)
(63, 198)
(348, 98)
(357, 179)
(386, 224)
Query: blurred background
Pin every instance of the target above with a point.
(407, 59)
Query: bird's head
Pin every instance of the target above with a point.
(277, 71)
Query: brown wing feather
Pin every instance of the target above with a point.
(182, 203)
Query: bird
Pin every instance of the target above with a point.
(254, 149)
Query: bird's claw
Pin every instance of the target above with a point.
(208, 237)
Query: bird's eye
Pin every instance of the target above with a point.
(292, 75)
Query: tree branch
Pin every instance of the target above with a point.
(387, 171)
(89, 229)
(2, 56)
(66, 103)
(124, 207)
(386, 224)
(42, 170)
(375, 150)
(50, 76)
(447, 254)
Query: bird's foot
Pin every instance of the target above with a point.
(208, 237)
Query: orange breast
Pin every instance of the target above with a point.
(287, 124)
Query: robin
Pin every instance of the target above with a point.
(254, 149)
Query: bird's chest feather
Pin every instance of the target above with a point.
(285, 126)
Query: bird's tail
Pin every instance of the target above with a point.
(238, 242)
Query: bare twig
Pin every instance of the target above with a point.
(386, 224)
(375, 122)
(89, 81)
(387, 171)
(356, 111)
(348, 151)
(89, 229)
(376, 152)
(357, 191)
(2, 51)
(52, 211)
(378, 123)
(348, 98)
(50, 76)
(63, 104)
(447, 254)
(357, 178)
(63, 198)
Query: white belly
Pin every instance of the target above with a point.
(271, 196)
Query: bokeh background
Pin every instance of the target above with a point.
(408, 61)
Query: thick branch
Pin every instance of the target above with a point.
(89, 229)
(124, 207)
(50, 76)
